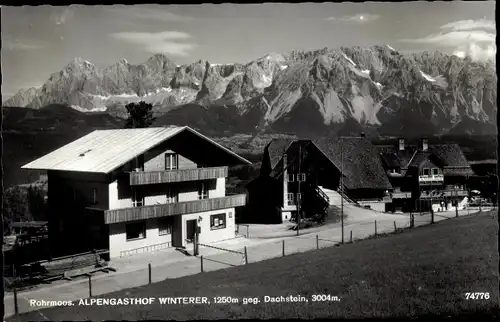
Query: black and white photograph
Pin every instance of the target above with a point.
(249, 161)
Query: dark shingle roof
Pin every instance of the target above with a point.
(449, 156)
(292, 154)
(419, 158)
(362, 165)
(276, 148)
(391, 160)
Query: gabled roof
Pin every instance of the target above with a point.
(449, 156)
(276, 148)
(103, 151)
(391, 160)
(361, 162)
(291, 153)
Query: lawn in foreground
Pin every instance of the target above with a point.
(423, 271)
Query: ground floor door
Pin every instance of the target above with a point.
(190, 230)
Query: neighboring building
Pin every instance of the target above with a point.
(426, 175)
(138, 190)
(272, 197)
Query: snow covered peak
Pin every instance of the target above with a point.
(391, 48)
(427, 77)
(348, 59)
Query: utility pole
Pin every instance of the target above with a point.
(432, 210)
(468, 198)
(298, 197)
(419, 193)
(342, 189)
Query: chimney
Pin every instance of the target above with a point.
(401, 144)
(424, 146)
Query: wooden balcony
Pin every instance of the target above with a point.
(455, 193)
(178, 208)
(180, 175)
(437, 179)
(401, 195)
(436, 194)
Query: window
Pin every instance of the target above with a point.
(203, 191)
(93, 196)
(171, 161)
(136, 230)
(137, 200)
(164, 226)
(426, 172)
(291, 199)
(290, 177)
(301, 177)
(299, 197)
(218, 221)
(171, 195)
(435, 172)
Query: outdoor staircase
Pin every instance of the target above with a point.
(315, 202)
(334, 197)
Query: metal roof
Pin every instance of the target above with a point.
(103, 151)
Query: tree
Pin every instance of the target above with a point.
(14, 207)
(36, 203)
(140, 115)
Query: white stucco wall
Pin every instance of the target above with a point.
(114, 202)
(219, 190)
(118, 238)
(207, 235)
(374, 205)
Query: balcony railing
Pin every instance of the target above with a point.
(436, 194)
(155, 177)
(401, 195)
(179, 208)
(437, 178)
(457, 193)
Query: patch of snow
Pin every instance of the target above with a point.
(391, 48)
(268, 57)
(283, 67)
(427, 77)
(266, 81)
(97, 109)
(124, 95)
(101, 97)
(348, 59)
(378, 84)
(366, 71)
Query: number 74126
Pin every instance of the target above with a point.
(477, 295)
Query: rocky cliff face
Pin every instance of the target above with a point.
(316, 92)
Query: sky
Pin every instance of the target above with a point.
(39, 41)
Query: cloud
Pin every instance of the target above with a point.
(360, 18)
(470, 25)
(465, 37)
(61, 17)
(157, 13)
(10, 43)
(454, 38)
(476, 52)
(161, 42)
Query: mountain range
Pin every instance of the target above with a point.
(328, 91)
